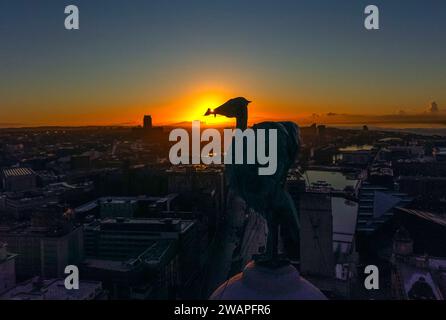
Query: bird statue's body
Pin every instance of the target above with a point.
(266, 194)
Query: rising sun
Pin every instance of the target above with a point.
(200, 105)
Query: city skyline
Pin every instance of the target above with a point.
(238, 150)
(298, 61)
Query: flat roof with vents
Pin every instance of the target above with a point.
(17, 172)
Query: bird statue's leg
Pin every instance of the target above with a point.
(271, 257)
(269, 248)
(289, 220)
(271, 241)
(283, 214)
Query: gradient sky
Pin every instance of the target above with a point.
(175, 58)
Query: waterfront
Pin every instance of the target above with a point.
(338, 180)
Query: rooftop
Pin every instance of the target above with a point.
(26, 229)
(146, 224)
(17, 172)
(441, 220)
(422, 277)
(157, 252)
(122, 200)
(4, 254)
(54, 289)
(344, 223)
(198, 168)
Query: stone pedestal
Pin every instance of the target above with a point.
(266, 283)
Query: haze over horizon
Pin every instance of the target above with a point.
(300, 61)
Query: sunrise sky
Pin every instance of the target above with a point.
(308, 61)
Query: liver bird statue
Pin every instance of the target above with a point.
(266, 194)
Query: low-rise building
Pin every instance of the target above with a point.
(153, 274)
(54, 289)
(7, 268)
(375, 206)
(415, 276)
(18, 179)
(126, 207)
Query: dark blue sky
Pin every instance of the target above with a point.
(301, 56)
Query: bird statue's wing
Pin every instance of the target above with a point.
(260, 192)
(266, 194)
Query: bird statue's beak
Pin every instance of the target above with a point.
(209, 112)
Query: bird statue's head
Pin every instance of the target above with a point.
(234, 108)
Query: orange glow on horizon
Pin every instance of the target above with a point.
(196, 106)
(182, 110)
(201, 105)
(193, 108)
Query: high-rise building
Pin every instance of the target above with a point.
(199, 179)
(42, 253)
(316, 238)
(122, 239)
(46, 245)
(147, 122)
